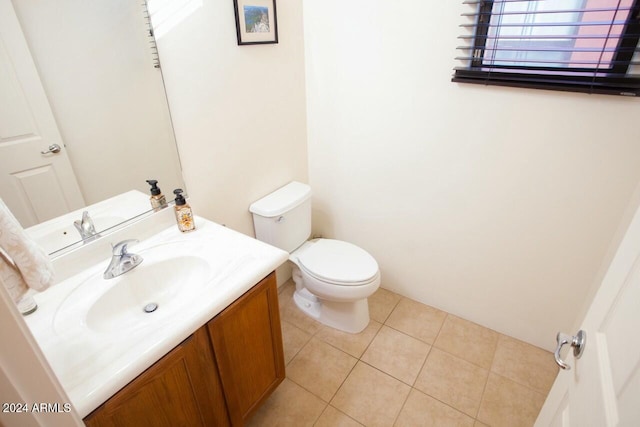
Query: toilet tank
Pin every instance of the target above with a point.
(283, 218)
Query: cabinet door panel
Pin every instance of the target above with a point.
(156, 394)
(247, 343)
(181, 389)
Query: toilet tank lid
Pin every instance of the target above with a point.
(281, 200)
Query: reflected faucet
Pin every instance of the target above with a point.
(86, 228)
(121, 260)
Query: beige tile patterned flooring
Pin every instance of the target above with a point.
(412, 366)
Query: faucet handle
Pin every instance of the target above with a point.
(120, 248)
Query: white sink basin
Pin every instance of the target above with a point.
(171, 276)
(147, 293)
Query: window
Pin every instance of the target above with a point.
(573, 45)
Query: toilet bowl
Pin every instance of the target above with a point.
(333, 278)
(333, 281)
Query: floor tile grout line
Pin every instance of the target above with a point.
(406, 399)
(431, 345)
(343, 413)
(393, 308)
(386, 373)
(395, 420)
(359, 359)
(514, 379)
(518, 383)
(372, 340)
(303, 346)
(490, 371)
(311, 392)
(474, 363)
(409, 335)
(298, 352)
(343, 381)
(346, 376)
(391, 376)
(323, 411)
(344, 351)
(441, 326)
(315, 422)
(449, 404)
(445, 403)
(424, 362)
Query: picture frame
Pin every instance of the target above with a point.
(256, 21)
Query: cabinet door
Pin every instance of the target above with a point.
(181, 389)
(247, 344)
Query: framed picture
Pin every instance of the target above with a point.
(256, 21)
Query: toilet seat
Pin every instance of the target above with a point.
(338, 263)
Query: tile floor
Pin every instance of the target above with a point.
(412, 366)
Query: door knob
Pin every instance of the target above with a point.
(578, 343)
(53, 148)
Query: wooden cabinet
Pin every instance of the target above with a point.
(247, 342)
(217, 377)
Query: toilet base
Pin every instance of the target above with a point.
(347, 316)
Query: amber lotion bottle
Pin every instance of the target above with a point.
(184, 215)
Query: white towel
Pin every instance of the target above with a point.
(23, 264)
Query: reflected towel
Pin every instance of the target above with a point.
(23, 264)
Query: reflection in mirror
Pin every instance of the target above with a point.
(87, 224)
(88, 79)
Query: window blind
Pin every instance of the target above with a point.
(573, 45)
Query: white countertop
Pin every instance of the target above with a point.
(93, 365)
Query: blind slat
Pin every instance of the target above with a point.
(551, 50)
(542, 73)
(546, 12)
(501, 1)
(549, 36)
(547, 24)
(573, 62)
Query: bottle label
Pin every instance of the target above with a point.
(158, 203)
(185, 220)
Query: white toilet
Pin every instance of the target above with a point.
(333, 278)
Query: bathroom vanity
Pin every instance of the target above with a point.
(216, 377)
(209, 353)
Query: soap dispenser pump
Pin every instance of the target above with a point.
(158, 201)
(184, 215)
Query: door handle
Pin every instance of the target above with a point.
(53, 148)
(578, 343)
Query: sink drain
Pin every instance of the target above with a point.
(150, 308)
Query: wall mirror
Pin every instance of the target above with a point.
(101, 75)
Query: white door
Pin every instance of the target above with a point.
(602, 388)
(35, 186)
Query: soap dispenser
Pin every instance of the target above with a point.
(184, 215)
(158, 201)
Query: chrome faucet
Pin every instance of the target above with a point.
(121, 260)
(86, 228)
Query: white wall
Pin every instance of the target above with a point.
(498, 205)
(25, 375)
(238, 111)
(107, 98)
